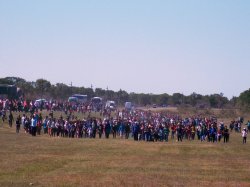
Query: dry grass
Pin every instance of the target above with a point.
(45, 161)
(161, 109)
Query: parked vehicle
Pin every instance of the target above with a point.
(80, 98)
(110, 105)
(128, 106)
(73, 100)
(10, 91)
(96, 103)
(40, 103)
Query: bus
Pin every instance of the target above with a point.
(96, 103)
(78, 98)
(128, 106)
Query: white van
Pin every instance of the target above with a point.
(110, 105)
(40, 102)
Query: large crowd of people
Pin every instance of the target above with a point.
(137, 124)
(34, 106)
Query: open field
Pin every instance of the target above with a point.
(45, 161)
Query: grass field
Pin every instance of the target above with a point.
(44, 161)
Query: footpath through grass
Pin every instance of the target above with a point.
(44, 161)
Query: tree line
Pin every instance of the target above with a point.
(42, 88)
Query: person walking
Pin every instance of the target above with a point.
(11, 118)
(165, 133)
(3, 113)
(248, 125)
(100, 129)
(114, 129)
(226, 135)
(18, 124)
(244, 135)
(179, 133)
(107, 128)
(136, 130)
(127, 130)
(33, 126)
(45, 126)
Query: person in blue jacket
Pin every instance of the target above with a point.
(248, 125)
(136, 129)
(212, 134)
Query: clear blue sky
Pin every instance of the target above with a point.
(149, 46)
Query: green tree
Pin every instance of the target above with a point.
(217, 100)
(244, 100)
(163, 99)
(42, 87)
(100, 92)
(177, 98)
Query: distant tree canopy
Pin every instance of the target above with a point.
(244, 99)
(60, 91)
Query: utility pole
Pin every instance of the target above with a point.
(71, 88)
(42, 89)
(107, 95)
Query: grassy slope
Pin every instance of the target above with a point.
(46, 161)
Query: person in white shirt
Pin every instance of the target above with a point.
(23, 120)
(244, 135)
(33, 126)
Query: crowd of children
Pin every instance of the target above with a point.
(138, 124)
